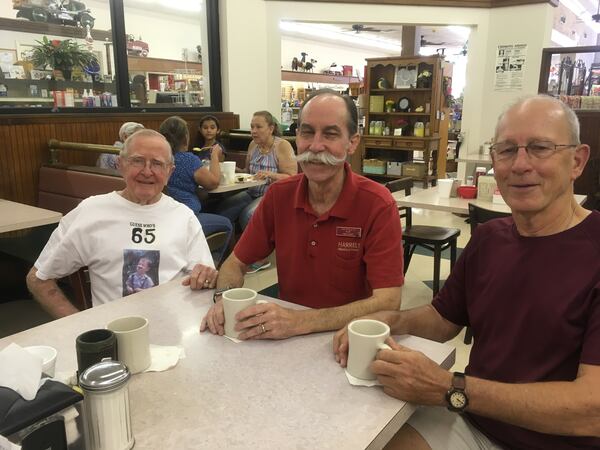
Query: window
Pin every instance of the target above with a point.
(61, 55)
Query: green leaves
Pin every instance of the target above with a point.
(57, 54)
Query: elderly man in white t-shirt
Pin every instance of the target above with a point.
(110, 233)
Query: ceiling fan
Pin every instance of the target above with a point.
(425, 42)
(358, 27)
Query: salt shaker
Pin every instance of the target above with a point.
(106, 414)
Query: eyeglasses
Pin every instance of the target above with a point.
(156, 166)
(503, 151)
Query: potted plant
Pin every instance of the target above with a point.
(61, 55)
(424, 79)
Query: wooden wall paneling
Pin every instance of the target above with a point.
(25, 142)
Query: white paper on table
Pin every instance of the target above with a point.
(5, 444)
(359, 382)
(163, 357)
(20, 371)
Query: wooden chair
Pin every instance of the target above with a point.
(80, 287)
(477, 216)
(434, 239)
(216, 241)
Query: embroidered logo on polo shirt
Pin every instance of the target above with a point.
(348, 246)
(352, 232)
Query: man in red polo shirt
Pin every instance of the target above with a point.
(338, 235)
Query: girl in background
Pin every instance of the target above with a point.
(189, 174)
(208, 133)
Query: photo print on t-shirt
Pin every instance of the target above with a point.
(140, 270)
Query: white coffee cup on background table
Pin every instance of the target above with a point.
(365, 338)
(445, 187)
(235, 300)
(133, 342)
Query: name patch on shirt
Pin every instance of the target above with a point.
(352, 232)
(348, 246)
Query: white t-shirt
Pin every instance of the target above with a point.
(115, 237)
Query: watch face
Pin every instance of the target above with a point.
(404, 104)
(458, 399)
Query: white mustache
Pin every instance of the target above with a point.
(320, 158)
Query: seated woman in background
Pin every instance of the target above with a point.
(189, 174)
(108, 160)
(270, 158)
(208, 133)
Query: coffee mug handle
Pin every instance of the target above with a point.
(384, 346)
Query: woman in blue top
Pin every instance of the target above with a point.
(189, 174)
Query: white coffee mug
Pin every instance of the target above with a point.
(133, 342)
(234, 301)
(365, 338)
(227, 172)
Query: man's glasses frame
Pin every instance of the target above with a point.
(504, 151)
(156, 166)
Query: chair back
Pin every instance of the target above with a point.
(479, 215)
(402, 184)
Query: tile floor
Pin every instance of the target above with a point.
(415, 292)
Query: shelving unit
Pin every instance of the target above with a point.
(396, 78)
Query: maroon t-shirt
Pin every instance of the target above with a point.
(533, 304)
(334, 259)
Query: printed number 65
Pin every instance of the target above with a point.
(137, 235)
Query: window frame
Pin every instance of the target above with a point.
(121, 71)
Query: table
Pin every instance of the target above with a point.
(261, 394)
(17, 216)
(430, 199)
(236, 186)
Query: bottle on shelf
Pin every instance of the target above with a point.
(419, 129)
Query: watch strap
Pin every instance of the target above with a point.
(219, 292)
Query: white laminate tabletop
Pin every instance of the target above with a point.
(259, 395)
(430, 199)
(18, 216)
(236, 186)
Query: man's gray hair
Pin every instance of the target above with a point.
(351, 111)
(570, 116)
(128, 128)
(124, 153)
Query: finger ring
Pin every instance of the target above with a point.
(262, 327)
(206, 282)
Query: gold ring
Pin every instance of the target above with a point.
(262, 327)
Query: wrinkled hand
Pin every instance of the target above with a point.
(340, 339)
(202, 277)
(411, 376)
(263, 175)
(214, 320)
(278, 322)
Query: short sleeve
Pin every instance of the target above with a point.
(61, 257)
(383, 249)
(590, 353)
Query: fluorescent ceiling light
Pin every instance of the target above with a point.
(183, 5)
(462, 32)
(320, 31)
(562, 40)
(581, 11)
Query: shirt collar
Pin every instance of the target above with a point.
(344, 204)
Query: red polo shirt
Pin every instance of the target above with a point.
(330, 260)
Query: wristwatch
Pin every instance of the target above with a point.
(456, 397)
(219, 293)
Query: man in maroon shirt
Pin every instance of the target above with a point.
(529, 287)
(337, 235)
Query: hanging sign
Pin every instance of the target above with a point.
(510, 67)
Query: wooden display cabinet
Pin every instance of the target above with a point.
(399, 96)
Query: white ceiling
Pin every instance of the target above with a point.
(434, 36)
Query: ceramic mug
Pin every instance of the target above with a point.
(365, 338)
(94, 345)
(234, 301)
(133, 342)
